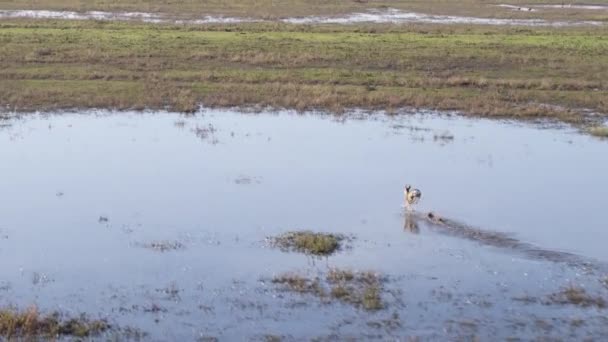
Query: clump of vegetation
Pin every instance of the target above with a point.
(599, 131)
(163, 246)
(30, 324)
(300, 284)
(359, 289)
(577, 296)
(309, 242)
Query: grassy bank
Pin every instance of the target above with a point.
(484, 71)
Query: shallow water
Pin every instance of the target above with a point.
(391, 16)
(394, 16)
(220, 182)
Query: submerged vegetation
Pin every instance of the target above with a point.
(309, 242)
(599, 131)
(359, 289)
(163, 246)
(506, 72)
(31, 325)
(577, 296)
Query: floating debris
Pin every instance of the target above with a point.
(444, 136)
(163, 246)
(206, 133)
(246, 180)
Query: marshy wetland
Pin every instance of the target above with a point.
(155, 232)
(234, 170)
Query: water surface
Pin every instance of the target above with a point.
(220, 182)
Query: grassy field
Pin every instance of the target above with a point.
(484, 71)
(283, 8)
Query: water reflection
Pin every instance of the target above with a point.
(410, 223)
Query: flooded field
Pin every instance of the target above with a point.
(390, 16)
(165, 225)
(394, 16)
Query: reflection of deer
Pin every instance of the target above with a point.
(410, 224)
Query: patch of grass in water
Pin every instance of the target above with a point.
(599, 131)
(359, 289)
(577, 296)
(371, 298)
(30, 324)
(309, 242)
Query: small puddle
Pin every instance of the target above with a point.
(159, 221)
(390, 16)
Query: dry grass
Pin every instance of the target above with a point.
(577, 296)
(31, 325)
(321, 244)
(483, 71)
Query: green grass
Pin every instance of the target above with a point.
(320, 244)
(531, 73)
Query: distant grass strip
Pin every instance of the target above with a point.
(494, 72)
